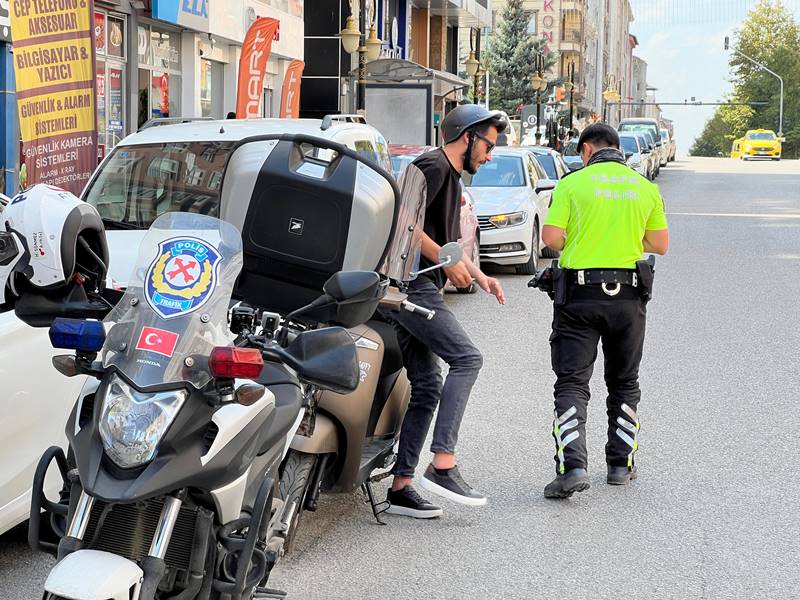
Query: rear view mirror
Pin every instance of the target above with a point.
(628, 155)
(575, 166)
(545, 185)
(450, 254)
(352, 286)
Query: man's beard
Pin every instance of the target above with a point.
(471, 166)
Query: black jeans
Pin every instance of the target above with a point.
(422, 341)
(587, 317)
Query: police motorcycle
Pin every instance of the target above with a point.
(169, 489)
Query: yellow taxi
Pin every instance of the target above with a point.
(760, 143)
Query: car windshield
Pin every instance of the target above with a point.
(548, 164)
(139, 183)
(571, 149)
(762, 135)
(502, 171)
(664, 135)
(629, 144)
(399, 164)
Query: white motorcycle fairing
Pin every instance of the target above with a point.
(95, 575)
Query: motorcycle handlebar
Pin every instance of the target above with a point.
(417, 309)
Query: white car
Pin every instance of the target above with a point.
(177, 167)
(635, 157)
(512, 194)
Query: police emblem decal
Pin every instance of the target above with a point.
(296, 226)
(182, 277)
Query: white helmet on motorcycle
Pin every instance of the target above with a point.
(56, 235)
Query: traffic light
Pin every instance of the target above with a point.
(726, 42)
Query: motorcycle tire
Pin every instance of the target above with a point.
(293, 487)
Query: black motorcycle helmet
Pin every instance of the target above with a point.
(466, 118)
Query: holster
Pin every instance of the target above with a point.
(646, 270)
(553, 282)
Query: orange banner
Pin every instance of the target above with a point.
(252, 65)
(290, 96)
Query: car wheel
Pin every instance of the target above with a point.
(476, 260)
(530, 267)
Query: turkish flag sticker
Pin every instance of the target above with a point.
(157, 340)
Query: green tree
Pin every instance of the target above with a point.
(770, 35)
(511, 59)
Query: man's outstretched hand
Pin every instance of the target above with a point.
(492, 286)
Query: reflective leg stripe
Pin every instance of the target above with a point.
(633, 428)
(559, 425)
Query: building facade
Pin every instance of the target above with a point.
(9, 137)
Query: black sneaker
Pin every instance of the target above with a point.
(409, 503)
(620, 475)
(563, 486)
(449, 484)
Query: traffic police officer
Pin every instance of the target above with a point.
(603, 217)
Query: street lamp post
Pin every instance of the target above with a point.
(570, 87)
(768, 70)
(610, 94)
(539, 84)
(368, 48)
(473, 63)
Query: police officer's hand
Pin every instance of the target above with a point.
(492, 286)
(458, 275)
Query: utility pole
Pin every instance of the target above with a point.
(768, 70)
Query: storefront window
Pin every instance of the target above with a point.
(211, 88)
(110, 41)
(159, 73)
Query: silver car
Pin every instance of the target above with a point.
(512, 194)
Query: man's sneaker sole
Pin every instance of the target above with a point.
(413, 512)
(437, 489)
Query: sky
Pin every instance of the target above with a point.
(685, 60)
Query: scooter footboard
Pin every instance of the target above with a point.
(92, 575)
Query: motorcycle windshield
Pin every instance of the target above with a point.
(175, 309)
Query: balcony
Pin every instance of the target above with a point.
(578, 5)
(571, 41)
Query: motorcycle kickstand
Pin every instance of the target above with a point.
(378, 508)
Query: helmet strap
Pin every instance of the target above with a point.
(468, 153)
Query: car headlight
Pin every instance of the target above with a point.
(509, 219)
(132, 423)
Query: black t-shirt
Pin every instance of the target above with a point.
(443, 201)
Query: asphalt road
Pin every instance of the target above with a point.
(714, 511)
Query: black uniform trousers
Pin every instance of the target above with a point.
(587, 317)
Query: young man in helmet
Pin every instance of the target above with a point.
(470, 133)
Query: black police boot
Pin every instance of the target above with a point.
(563, 486)
(620, 475)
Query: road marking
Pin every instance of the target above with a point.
(744, 215)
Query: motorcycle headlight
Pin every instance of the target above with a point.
(132, 423)
(507, 220)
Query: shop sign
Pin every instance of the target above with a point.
(5, 22)
(252, 64)
(548, 22)
(192, 14)
(290, 96)
(54, 68)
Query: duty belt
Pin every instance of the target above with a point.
(609, 279)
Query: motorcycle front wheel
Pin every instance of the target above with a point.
(294, 487)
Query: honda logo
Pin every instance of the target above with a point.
(296, 226)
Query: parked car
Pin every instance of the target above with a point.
(760, 143)
(512, 194)
(651, 127)
(669, 144)
(551, 161)
(736, 148)
(647, 154)
(178, 167)
(571, 157)
(634, 156)
(403, 155)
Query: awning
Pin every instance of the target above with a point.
(394, 70)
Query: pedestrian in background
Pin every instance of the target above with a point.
(602, 218)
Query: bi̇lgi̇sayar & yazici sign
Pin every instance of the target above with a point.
(54, 69)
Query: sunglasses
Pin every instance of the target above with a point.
(489, 144)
